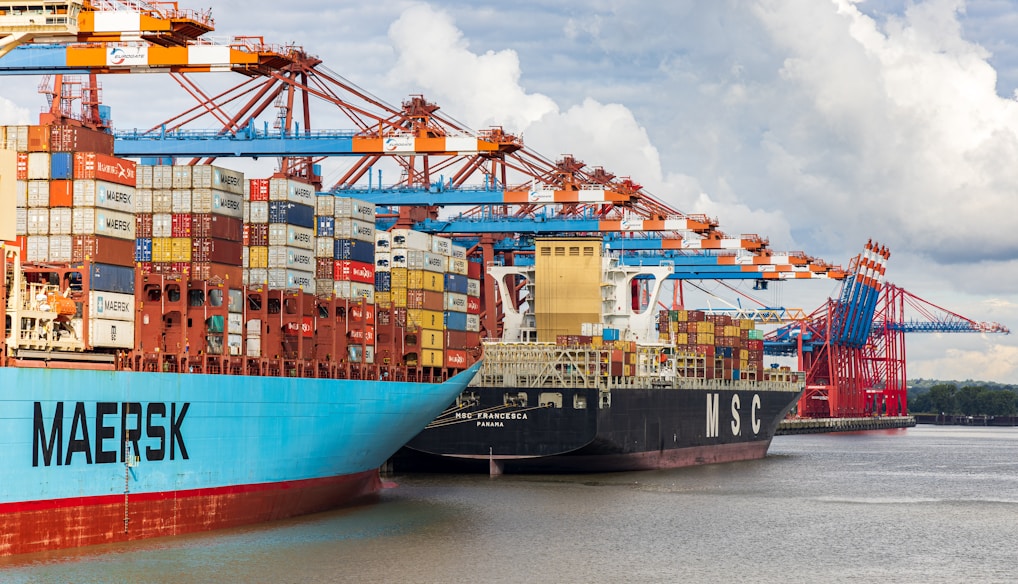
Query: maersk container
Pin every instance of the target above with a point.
(228, 204)
(354, 249)
(347, 207)
(291, 214)
(410, 239)
(61, 165)
(473, 323)
(291, 257)
(455, 302)
(473, 287)
(92, 221)
(116, 334)
(458, 251)
(110, 305)
(288, 279)
(110, 278)
(282, 234)
(456, 321)
(143, 249)
(434, 262)
(284, 189)
(325, 226)
(457, 284)
(355, 229)
(105, 195)
(354, 291)
(457, 266)
(441, 245)
(221, 179)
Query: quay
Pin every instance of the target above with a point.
(818, 425)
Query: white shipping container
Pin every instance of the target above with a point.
(288, 279)
(457, 266)
(245, 257)
(459, 252)
(181, 200)
(21, 221)
(60, 248)
(218, 178)
(21, 193)
(102, 194)
(246, 206)
(143, 199)
(455, 302)
(434, 262)
(354, 209)
(60, 222)
(235, 323)
(110, 305)
(325, 205)
(325, 247)
(17, 138)
(254, 347)
(259, 212)
(162, 200)
(37, 193)
(285, 234)
(383, 240)
(355, 229)
(257, 277)
(323, 287)
(38, 166)
(399, 258)
(474, 288)
(143, 176)
(354, 291)
(441, 245)
(117, 334)
(291, 257)
(162, 225)
(235, 344)
(38, 221)
(410, 239)
(38, 248)
(383, 261)
(92, 221)
(473, 323)
(228, 204)
(181, 177)
(254, 328)
(284, 189)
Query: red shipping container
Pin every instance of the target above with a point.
(217, 226)
(99, 166)
(258, 235)
(425, 299)
(79, 139)
(21, 171)
(456, 339)
(61, 193)
(181, 225)
(20, 242)
(143, 225)
(363, 337)
(102, 250)
(324, 268)
(246, 235)
(365, 314)
(205, 271)
(306, 327)
(455, 359)
(146, 267)
(473, 339)
(38, 138)
(258, 189)
(216, 251)
(351, 271)
(474, 270)
(473, 305)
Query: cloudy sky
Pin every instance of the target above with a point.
(819, 124)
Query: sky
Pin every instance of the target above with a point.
(818, 124)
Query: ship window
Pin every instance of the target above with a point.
(588, 251)
(254, 302)
(550, 399)
(291, 305)
(274, 305)
(467, 399)
(574, 251)
(154, 294)
(323, 311)
(195, 298)
(517, 399)
(215, 297)
(580, 402)
(560, 251)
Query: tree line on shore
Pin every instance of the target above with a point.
(967, 400)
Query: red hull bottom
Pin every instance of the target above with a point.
(658, 459)
(48, 525)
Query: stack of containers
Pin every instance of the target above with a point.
(291, 236)
(256, 232)
(353, 274)
(462, 306)
(74, 203)
(325, 244)
(418, 289)
(235, 323)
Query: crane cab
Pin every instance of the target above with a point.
(45, 17)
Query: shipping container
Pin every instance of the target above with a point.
(325, 226)
(181, 177)
(143, 249)
(456, 359)
(37, 248)
(383, 240)
(325, 247)
(346, 207)
(218, 178)
(473, 323)
(38, 221)
(162, 200)
(354, 291)
(219, 227)
(259, 212)
(217, 251)
(180, 249)
(92, 221)
(355, 229)
(455, 302)
(458, 252)
(290, 213)
(61, 193)
(441, 245)
(116, 334)
(253, 347)
(475, 270)
(288, 279)
(60, 248)
(258, 190)
(409, 239)
(325, 205)
(38, 166)
(181, 199)
(257, 233)
(60, 221)
(102, 167)
(473, 305)
(105, 195)
(383, 281)
(79, 139)
(456, 283)
(457, 266)
(431, 339)
(61, 165)
(258, 256)
(111, 278)
(162, 249)
(383, 261)
(110, 305)
(181, 225)
(432, 319)
(425, 299)
(291, 235)
(473, 287)
(285, 189)
(456, 321)
(432, 358)
(293, 258)
(354, 249)
(422, 279)
(353, 271)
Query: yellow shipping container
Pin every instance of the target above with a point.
(425, 280)
(747, 324)
(432, 319)
(743, 354)
(681, 338)
(162, 249)
(258, 256)
(398, 297)
(681, 316)
(432, 339)
(398, 277)
(432, 358)
(705, 327)
(180, 249)
(382, 298)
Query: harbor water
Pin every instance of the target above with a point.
(925, 504)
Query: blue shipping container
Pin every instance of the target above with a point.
(61, 165)
(292, 214)
(456, 321)
(456, 283)
(383, 281)
(325, 226)
(110, 278)
(610, 334)
(143, 249)
(354, 249)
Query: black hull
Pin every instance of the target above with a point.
(625, 429)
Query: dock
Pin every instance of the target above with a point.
(819, 425)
